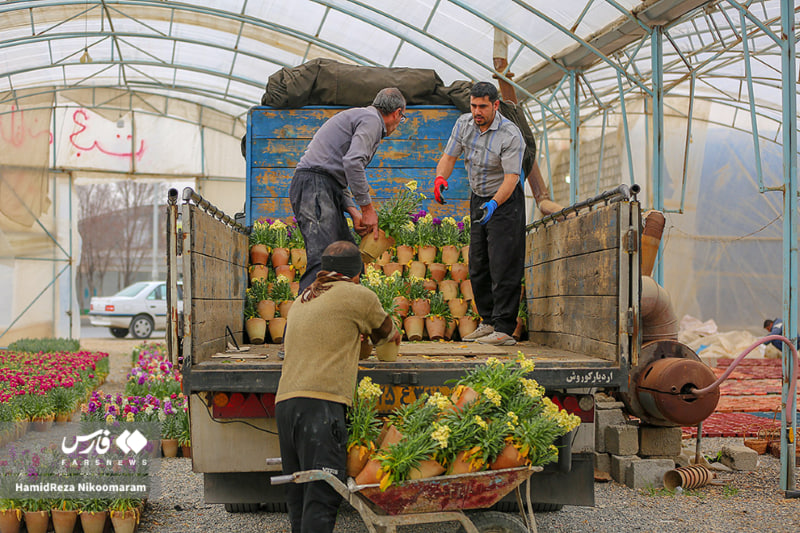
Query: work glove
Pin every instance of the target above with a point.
(439, 184)
(488, 210)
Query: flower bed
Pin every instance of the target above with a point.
(496, 418)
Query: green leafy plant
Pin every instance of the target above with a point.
(124, 505)
(447, 233)
(259, 290)
(417, 290)
(279, 234)
(93, 505)
(296, 238)
(464, 227)
(395, 212)
(399, 459)
(34, 504)
(281, 291)
(260, 234)
(439, 307)
(45, 345)
(184, 434)
(250, 310)
(426, 231)
(65, 504)
(363, 424)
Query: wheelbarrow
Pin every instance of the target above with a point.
(433, 500)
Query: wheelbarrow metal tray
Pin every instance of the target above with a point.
(476, 490)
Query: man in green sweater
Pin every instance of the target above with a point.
(318, 380)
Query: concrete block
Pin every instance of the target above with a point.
(681, 460)
(603, 419)
(620, 464)
(622, 440)
(658, 441)
(739, 457)
(605, 406)
(647, 473)
(602, 462)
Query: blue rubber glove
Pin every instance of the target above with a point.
(488, 210)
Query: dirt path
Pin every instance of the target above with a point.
(119, 354)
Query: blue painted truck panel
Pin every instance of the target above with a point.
(277, 139)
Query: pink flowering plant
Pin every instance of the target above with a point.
(152, 373)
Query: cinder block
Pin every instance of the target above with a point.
(658, 441)
(602, 462)
(739, 457)
(622, 440)
(647, 473)
(620, 464)
(603, 419)
(605, 406)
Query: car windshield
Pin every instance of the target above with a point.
(132, 290)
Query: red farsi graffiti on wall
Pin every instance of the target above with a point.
(87, 138)
(15, 131)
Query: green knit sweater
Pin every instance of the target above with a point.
(322, 343)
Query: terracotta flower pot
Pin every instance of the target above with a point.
(10, 520)
(186, 451)
(388, 351)
(438, 271)
(414, 326)
(42, 424)
(463, 396)
(169, 447)
(449, 289)
(287, 271)
(519, 330)
(450, 254)
(466, 290)
(430, 285)
(374, 246)
(93, 522)
(63, 418)
(266, 309)
(371, 473)
(392, 436)
(357, 458)
(256, 330)
(37, 521)
(459, 271)
(258, 272)
(259, 254)
(405, 254)
(284, 307)
(435, 325)
(508, 458)
(427, 254)
(465, 254)
(295, 288)
(64, 521)
(417, 269)
(426, 469)
(280, 256)
(450, 329)
(466, 325)
(458, 307)
(421, 307)
(384, 259)
(299, 259)
(124, 522)
(276, 327)
(391, 268)
(461, 465)
(402, 305)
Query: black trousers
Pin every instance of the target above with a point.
(313, 436)
(318, 205)
(497, 260)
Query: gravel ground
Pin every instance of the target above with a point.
(749, 501)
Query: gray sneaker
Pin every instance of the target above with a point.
(497, 339)
(483, 330)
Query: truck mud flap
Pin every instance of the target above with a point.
(244, 488)
(552, 488)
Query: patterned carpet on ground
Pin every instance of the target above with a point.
(749, 403)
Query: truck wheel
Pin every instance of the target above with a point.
(119, 332)
(242, 507)
(142, 326)
(494, 522)
(512, 507)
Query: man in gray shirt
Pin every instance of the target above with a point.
(333, 162)
(492, 147)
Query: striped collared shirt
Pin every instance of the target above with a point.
(488, 156)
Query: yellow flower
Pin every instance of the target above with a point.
(110, 419)
(481, 422)
(411, 185)
(129, 417)
(492, 395)
(349, 222)
(428, 219)
(367, 389)
(278, 224)
(525, 364)
(441, 401)
(409, 226)
(449, 220)
(514, 418)
(283, 278)
(440, 434)
(465, 220)
(532, 388)
(492, 361)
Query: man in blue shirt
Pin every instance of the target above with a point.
(775, 327)
(492, 147)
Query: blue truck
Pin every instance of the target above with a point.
(582, 276)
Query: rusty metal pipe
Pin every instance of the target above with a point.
(658, 319)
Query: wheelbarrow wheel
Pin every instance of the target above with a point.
(496, 522)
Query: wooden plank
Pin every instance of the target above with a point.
(205, 350)
(391, 152)
(421, 123)
(280, 207)
(593, 317)
(384, 182)
(588, 232)
(593, 274)
(210, 317)
(576, 343)
(212, 238)
(214, 278)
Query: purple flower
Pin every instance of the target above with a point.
(141, 379)
(437, 221)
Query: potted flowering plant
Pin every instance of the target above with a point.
(405, 239)
(363, 425)
(393, 214)
(426, 239)
(259, 243)
(259, 291)
(447, 239)
(10, 514)
(438, 317)
(279, 236)
(297, 248)
(254, 325)
(93, 514)
(125, 513)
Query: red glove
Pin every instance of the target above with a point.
(438, 184)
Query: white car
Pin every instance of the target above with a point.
(139, 308)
